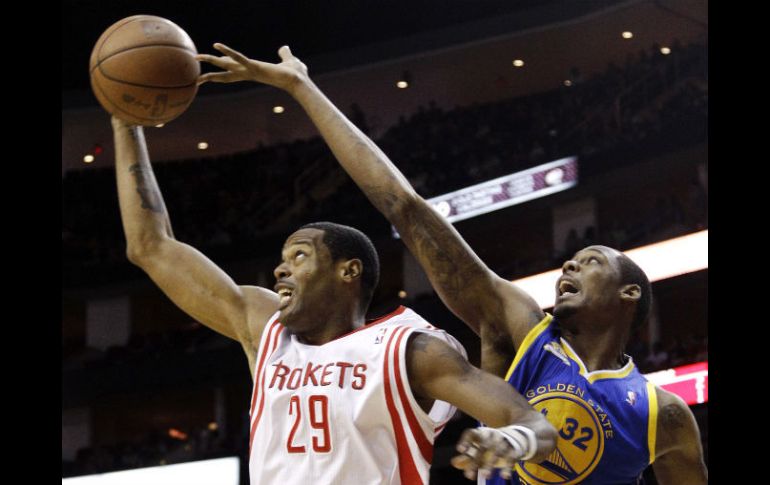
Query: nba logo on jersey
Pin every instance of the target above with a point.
(631, 399)
(555, 349)
(380, 335)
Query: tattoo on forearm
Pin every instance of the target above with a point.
(385, 201)
(448, 261)
(445, 268)
(452, 267)
(150, 196)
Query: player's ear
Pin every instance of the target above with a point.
(630, 293)
(351, 269)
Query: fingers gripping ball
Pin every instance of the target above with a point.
(143, 70)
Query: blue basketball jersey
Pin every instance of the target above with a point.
(606, 420)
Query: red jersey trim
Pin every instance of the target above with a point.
(407, 469)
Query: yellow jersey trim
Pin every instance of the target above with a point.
(594, 376)
(531, 336)
(611, 374)
(652, 419)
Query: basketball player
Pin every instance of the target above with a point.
(612, 423)
(334, 400)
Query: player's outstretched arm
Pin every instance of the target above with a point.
(465, 284)
(190, 279)
(516, 431)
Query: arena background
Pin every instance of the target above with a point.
(143, 385)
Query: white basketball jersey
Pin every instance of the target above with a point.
(342, 412)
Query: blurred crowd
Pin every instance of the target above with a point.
(231, 205)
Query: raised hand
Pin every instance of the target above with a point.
(237, 67)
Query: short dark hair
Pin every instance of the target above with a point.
(631, 273)
(345, 242)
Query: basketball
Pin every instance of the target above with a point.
(143, 70)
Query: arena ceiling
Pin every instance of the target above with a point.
(312, 27)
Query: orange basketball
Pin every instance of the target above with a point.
(143, 70)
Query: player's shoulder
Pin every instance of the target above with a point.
(406, 320)
(258, 297)
(403, 316)
(261, 306)
(261, 303)
(669, 400)
(675, 421)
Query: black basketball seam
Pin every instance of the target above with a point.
(99, 66)
(99, 62)
(117, 27)
(133, 18)
(95, 82)
(145, 85)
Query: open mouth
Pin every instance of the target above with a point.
(567, 288)
(284, 295)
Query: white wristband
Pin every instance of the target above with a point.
(521, 438)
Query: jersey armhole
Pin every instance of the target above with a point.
(652, 419)
(531, 336)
